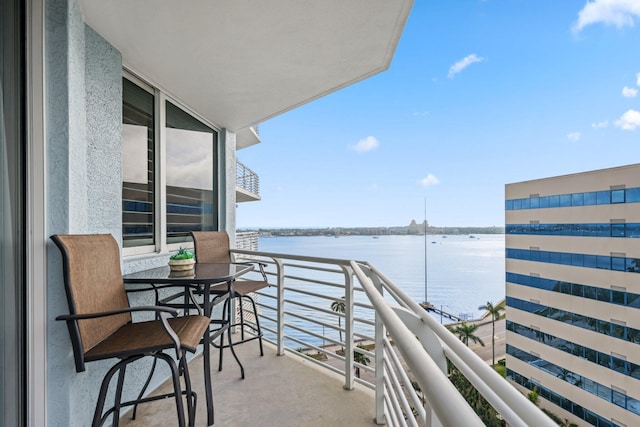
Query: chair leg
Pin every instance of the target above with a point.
(241, 308)
(98, 419)
(176, 387)
(118, 397)
(144, 387)
(224, 315)
(192, 397)
(258, 330)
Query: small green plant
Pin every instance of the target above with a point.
(182, 254)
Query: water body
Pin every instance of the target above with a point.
(463, 272)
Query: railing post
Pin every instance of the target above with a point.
(348, 329)
(280, 305)
(379, 358)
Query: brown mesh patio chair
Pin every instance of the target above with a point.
(100, 323)
(213, 246)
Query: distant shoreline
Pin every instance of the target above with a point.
(412, 229)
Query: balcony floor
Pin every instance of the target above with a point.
(277, 391)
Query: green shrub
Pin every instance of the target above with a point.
(182, 254)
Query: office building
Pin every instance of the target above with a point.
(573, 293)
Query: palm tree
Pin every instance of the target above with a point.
(339, 307)
(494, 311)
(360, 358)
(466, 332)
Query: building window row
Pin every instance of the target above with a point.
(614, 363)
(597, 389)
(605, 262)
(614, 330)
(605, 197)
(582, 230)
(627, 299)
(564, 403)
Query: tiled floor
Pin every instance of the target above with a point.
(277, 391)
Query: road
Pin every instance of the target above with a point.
(484, 333)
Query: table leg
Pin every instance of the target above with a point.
(206, 347)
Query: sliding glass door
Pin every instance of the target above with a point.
(12, 218)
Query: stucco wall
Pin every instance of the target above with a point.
(84, 104)
(84, 192)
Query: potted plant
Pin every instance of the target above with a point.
(181, 260)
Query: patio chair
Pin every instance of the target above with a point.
(100, 323)
(213, 246)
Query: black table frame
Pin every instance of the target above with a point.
(201, 279)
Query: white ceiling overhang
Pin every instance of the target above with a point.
(240, 62)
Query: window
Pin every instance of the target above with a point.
(632, 195)
(617, 196)
(184, 157)
(190, 168)
(138, 166)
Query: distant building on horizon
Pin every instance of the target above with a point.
(573, 293)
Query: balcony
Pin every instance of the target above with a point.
(347, 347)
(247, 184)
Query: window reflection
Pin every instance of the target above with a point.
(190, 175)
(580, 229)
(611, 362)
(604, 197)
(600, 390)
(625, 333)
(138, 172)
(631, 265)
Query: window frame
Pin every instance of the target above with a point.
(160, 98)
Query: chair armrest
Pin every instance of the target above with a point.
(172, 311)
(162, 311)
(261, 265)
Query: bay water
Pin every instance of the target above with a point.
(462, 272)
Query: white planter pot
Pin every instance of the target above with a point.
(181, 264)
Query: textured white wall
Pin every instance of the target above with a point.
(84, 192)
(84, 116)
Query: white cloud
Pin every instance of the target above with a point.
(463, 63)
(573, 136)
(420, 113)
(429, 180)
(600, 125)
(367, 144)
(629, 92)
(629, 120)
(619, 13)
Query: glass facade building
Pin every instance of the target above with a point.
(572, 293)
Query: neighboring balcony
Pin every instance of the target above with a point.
(247, 184)
(346, 347)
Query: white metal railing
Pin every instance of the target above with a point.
(380, 324)
(247, 179)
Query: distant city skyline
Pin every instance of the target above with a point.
(479, 94)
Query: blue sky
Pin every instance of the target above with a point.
(479, 94)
